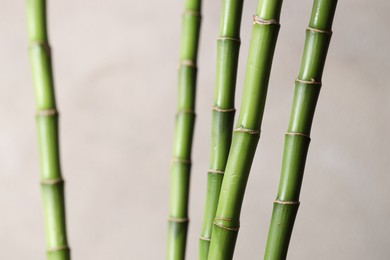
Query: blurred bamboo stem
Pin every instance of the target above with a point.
(185, 120)
(47, 126)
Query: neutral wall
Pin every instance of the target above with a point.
(116, 77)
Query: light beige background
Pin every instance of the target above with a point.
(116, 77)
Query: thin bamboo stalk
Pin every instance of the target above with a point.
(246, 135)
(228, 46)
(47, 125)
(185, 120)
(307, 89)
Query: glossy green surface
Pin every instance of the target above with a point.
(184, 129)
(243, 148)
(228, 46)
(47, 126)
(307, 89)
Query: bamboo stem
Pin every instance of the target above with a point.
(47, 126)
(307, 89)
(228, 45)
(185, 120)
(247, 133)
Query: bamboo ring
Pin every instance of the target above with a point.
(246, 130)
(215, 171)
(218, 109)
(188, 63)
(178, 220)
(192, 12)
(223, 38)
(52, 181)
(310, 82)
(204, 238)
(319, 30)
(47, 112)
(300, 134)
(180, 160)
(287, 202)
(258, 20)
(58, 248)
(227, 228)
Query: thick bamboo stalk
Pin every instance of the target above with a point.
(47, 125)
(246, 135)
(228, 46)
(307, 89)
(185, 120)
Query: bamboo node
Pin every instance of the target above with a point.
(311, 29)
(215, 171)
(246, 130)
(216, 108)
(224, 219)
(52, 181)
(185, 111)
(192, 13)
(180, 160)
(286, 202)
(258, 20)
(224, 38)
(300, 134)
(47, 112)
(188, 63)
(58, 248)
(178, 220)
(205, 238)
(41, 44)
(310, 82)
(227, 228)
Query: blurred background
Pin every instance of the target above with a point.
(115, 66)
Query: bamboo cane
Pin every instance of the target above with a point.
(47, 125)
(185, 119)
(228, 45)
(307, 89)
(246, 135)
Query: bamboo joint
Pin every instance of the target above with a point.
(223, 38)
(309, 82)
(286, 202)
(299, 134)
(218, 109)
(211, 171)
(225, 227)
(58, 248)
(180, 160)
(178, 220)
(319, 30)
(247, 130)
(52, 181)
(260, 21)
(47, 112)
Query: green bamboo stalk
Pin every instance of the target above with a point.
(185, 120)
(307, 89)
(47, 125)
(228, 46)
(246, 135)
